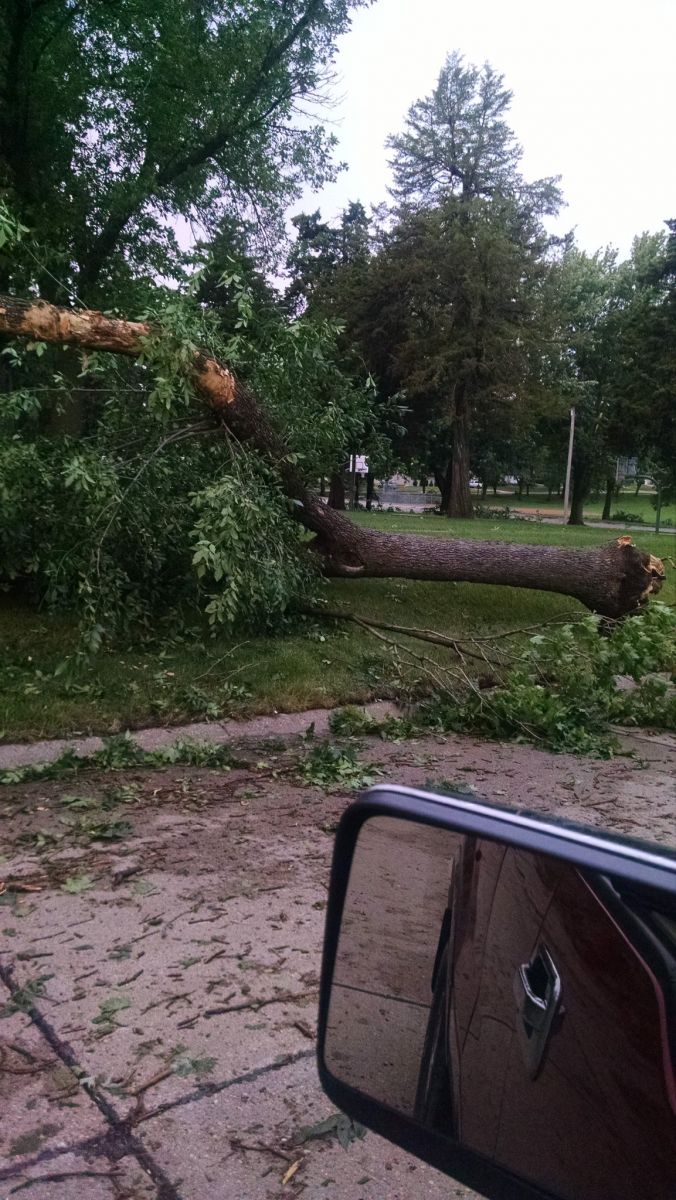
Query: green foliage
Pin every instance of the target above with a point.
(11, 229)
(77, 883)
(23, 998)
(200, 1066)
(457, 142)
(330, 767)
(354, 722)
(155, 511)
(109, 135)
(337, 1125)
(245, 543)
(562, 692)
(120, 752)
(117, 120)
(109, 1008)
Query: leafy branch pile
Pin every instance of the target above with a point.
(563, 690)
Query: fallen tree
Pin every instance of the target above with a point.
(613, 580)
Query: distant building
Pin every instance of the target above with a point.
(626, 468)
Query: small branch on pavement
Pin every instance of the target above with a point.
(261, 1148)
(256, 1004)
(155, 1079)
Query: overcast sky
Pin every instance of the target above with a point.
(594, 85)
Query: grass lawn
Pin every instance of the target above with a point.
(626, 502)
(313, 665)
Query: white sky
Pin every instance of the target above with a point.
(594, 85)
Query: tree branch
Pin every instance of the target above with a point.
(614, 580)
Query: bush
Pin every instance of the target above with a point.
(628, 517)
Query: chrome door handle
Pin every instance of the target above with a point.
(537, 990)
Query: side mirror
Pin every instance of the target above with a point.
(499, 997)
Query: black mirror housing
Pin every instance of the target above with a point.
(414, 957)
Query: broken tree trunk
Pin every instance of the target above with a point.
(612, 580)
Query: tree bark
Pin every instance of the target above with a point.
(443, 482)
(337, 492)
(608, 502)
(370, 490)
(460, 504)
(580, 491)
(613, 580)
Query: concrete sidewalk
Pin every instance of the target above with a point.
(160, 947)
(219, 733)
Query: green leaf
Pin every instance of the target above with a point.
(77, 883)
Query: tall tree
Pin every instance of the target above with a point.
(616, 340)
(457, 154)
(644, 420)
(451, 315)
(118, 119)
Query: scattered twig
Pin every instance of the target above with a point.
(30, 1070)
(158, 1078)
(216, 954)
(166, 1000)
(130, 978)
(305, 1030)
(256, 1004)
(261, 1148)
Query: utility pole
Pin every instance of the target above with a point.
(569, 466)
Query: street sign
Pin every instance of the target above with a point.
(359, 463)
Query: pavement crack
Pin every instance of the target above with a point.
(119, 1141)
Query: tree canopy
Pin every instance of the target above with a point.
(119, 120)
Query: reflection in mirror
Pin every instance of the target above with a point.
(512, 1003)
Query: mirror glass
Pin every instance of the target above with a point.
(512, 1003)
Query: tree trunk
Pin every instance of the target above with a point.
(337, 492)
(370, 490)
(460, 503)
(580, 491)
(608, 502)
(443, 482)
(484, 490)
(613, 580)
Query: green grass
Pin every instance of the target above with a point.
(641, 505)
(314, 665)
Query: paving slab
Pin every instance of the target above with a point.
(84, 1174)
(188, 972)
(243, 1141)
(44, 1109)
